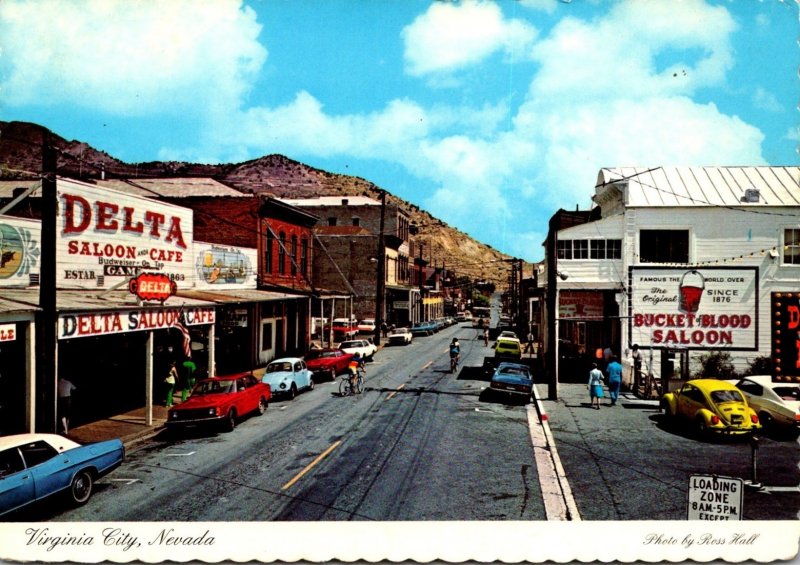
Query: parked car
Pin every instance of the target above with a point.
(423, 328)
(508, 334)
(711, 405)
(513, 379)
(365, 348)
(327, 362)
(366, 326)
(220, 401)
(777, 404)
(506, 348)
(400, 336)
(37, 466)
(288, 376)
(344, 329)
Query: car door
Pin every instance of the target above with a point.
(300, 375)
(16, 482)
(690, 400)
(51, 470)
(247, 393)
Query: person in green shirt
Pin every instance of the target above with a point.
(187, 378)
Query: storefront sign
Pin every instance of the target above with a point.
(715, 498)
(20, 251)
(401, 304)
(224, 266)
(8, 332)
(580, 304)
(105, 323)
(108, 234)
(709, 308)
(785, 319)
(152, 286)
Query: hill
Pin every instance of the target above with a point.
(21, 157)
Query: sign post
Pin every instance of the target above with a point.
(712, 497)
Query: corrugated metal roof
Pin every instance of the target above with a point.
(331, 201)
(86, 300)
(238, 296)
(173, 187)
(703, 186)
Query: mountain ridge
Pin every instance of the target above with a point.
(275, 174)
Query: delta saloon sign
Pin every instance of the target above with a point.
(702, 308)
(106, 236)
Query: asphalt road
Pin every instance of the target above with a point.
(419, 444)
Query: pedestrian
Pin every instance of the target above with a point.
(636, 355)
(187, 378)
(595, 386)
(65, 390)
(614, 372)
(486, 337)
(384, 329)
(170, 380)
(529, 344)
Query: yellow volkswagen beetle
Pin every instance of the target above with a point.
(711, 405)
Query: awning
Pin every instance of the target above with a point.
(27, 299)
(238, 296)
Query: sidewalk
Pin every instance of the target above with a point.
(129, 427)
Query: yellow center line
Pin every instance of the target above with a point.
(391, 394)
(311, 465)
(428, 365)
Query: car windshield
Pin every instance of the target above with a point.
(399, 331)
(279, 367)
(346, 344)
(214, 387)
(722, 396)
(514, 371)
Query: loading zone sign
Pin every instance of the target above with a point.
(715, 498)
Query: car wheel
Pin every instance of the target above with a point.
(230, 421)
(311, 383)
(700, 426)
(292, 392)
(81, 487)
(767, 421)
(262, 405)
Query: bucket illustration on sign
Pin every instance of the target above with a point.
(691, 290)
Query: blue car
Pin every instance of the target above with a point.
(37, 466)
(424, 328)
(513, 379)
(288, 376)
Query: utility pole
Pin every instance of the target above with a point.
(47, 420)
(381, 282)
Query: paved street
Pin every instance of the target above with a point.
(424, 444)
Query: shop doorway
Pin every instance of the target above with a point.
(13, 373)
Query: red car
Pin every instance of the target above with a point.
(327, 362)
(221, 401)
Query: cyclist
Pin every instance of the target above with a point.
(355, 366)
(455, 352)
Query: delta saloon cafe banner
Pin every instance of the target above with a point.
(694, 308)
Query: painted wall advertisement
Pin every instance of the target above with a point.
(580, 304)
(107, 237)
(20, 251)
(224, 266)
(703, 308)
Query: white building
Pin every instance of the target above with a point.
(679, 260)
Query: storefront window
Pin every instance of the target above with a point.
(304, 257)
(791, 246)
(268, 251)
(580, 249)
(614, 249)
(294, 255)
(282, 254)
(597, 249)
(564, 249)
(664, 246)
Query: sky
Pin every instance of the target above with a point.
(489, 115)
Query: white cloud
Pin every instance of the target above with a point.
(766, 100)
(452, 36)
(132, 58)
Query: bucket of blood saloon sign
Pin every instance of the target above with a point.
(702, 308)
(107, 236)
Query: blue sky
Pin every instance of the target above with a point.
(490, 115)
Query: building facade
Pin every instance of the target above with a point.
(680, 261)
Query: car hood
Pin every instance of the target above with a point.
(277, 377)
(204, 401)
(512, 379)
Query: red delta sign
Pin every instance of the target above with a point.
(152, 286)
(785, 318)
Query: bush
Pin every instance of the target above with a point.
(717, 366)
(760, 366)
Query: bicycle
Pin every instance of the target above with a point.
(346, 388)
(454, 364)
